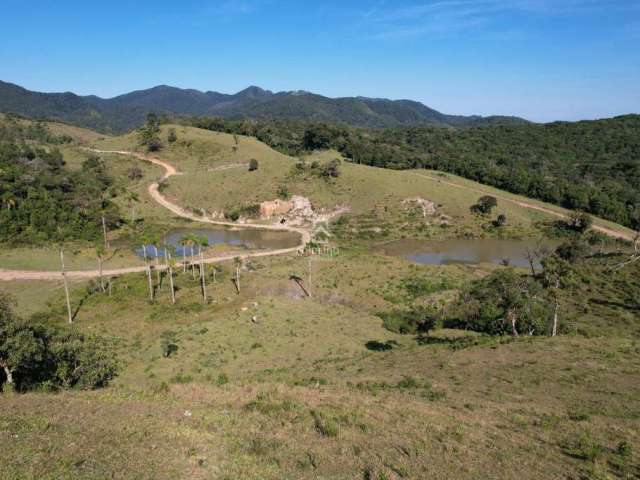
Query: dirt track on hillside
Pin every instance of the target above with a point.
(607, 231)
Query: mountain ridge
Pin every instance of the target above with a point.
(124, 112)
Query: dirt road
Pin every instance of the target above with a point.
(532, 206)
(154, 192)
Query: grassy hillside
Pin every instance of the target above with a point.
(270, 383)
(215, 178)
(317, 388)
(590, 165)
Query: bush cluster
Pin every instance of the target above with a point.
(35, 356)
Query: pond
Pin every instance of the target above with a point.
(468, 251)
(251, 239)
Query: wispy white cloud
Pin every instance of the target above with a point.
(449, 17)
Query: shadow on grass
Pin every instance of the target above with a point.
(376, 346)
(459, 343)
(608, 303)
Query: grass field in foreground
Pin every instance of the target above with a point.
(317, 388)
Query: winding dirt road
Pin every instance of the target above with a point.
(154, 192)
(170, 170)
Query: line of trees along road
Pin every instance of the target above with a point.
(593, 166)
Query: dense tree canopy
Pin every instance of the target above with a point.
(41, 200)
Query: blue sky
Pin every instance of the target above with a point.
(541, 59)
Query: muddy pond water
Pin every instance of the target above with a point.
(467, 251)
(251, 239)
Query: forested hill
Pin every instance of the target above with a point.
(592, 166)
(127, 111)
(40, 199)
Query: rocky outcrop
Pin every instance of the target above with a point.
(428, 207)
(273, 208)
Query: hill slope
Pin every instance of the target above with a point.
(592, 166)
(123, 112)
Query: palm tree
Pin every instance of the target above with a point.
(203, 242)
(184, 241)
(132, 199)
(152, 241)
(191, 240)
(237, 261)
(170, 265)
(148, 239)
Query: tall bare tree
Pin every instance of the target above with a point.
(170, 264)
(66, 285)
(100, 252)
(237, 261)
(104, 232)
(150, 282)
(556, 274)
(203, 242)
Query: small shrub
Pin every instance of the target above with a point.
(168, 348)
(283, 191)
(500, 221)
(172, 137)
(578, 415)
(182, 378)
(418, 319)
(584, 447)
(135, 173)
(232, 215)
(624, 449)
(222, 380)
(253, 165)
(160, 388)
(325, 426)
(407, 383)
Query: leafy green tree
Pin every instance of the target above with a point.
(331, 169)
(485, 205)
(21, 345)
(579, 222)
(81, 361)
(31, 354)
(149, 133)
(573, 251)
(505, 302)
